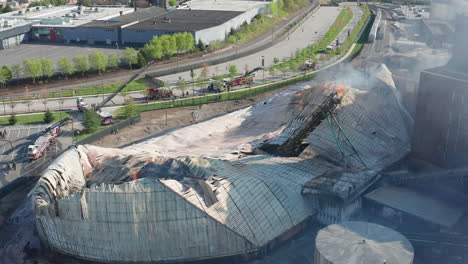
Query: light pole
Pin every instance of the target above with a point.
(263, 67)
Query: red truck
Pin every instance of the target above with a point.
(237, 81)
(41, 144)
(158, 93)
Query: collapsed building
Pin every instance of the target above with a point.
(226, 186)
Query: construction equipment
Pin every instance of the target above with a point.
(293, 146)
(158, 93)
(41, 144)
(214, 88)
(81, 104)
(237, 81)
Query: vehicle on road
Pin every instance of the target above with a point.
(81, 104)
(158, 93)
(242, 80)
(310, 66)
(106, 118)
(42, 143)
(214, 87)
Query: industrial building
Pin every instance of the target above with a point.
(216, 193)
(441, 108)
(125, 26)
(20, 26)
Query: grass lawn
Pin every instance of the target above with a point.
(32, 119)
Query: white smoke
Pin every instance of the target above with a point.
(449, 9)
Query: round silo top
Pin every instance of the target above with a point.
(362, 243)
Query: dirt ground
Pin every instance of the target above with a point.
(155, 122)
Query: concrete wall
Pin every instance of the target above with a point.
(441, 120)
(141, 37)
(220, 32)
(90, 35)
(13, 41)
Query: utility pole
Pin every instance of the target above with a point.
(263, 67)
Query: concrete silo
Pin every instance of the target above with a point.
(361, 243)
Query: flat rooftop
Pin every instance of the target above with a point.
(186, 20)
(226, 5)
(420, 205)
(63, 16)
(118, 21)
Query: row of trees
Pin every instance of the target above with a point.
(283, 7)
(6, 9)
(158, 48)
(45, 68)
(48, 2)
(168, 45)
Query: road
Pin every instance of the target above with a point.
(21, 136)
(311, 31)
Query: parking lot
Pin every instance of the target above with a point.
(13, 150)
(16, 55)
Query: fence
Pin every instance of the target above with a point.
(109, 130)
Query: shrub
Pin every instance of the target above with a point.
(91, 121)
(12, 120)
(48, 117)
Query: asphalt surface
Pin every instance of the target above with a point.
(54, 52)
(21, 136)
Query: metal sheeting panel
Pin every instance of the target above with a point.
(137, 221)
(373, 122)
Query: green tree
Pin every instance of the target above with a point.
(16, 70)
(141, 60)
(130, 57)
(32, 68)
(274, 10)
(232, 70)
(192, 75)
(153, 49)
(172, 2)
(6, 9)
(3, 79)
(98, 61)
(91, 121)
(65, 67)
(5, 75)
(113, 61)
(168, 45)
(130, 109)
(201, 45)
(181, 85)
(189, 42)
(275, 60)
(47, 67)
(12, 120)
(81, 63)
(180, 42)
(48, 116)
